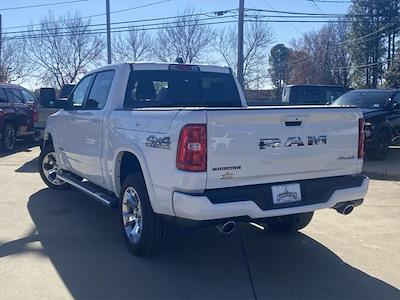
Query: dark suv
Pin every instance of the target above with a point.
(311, 94)
(381, 109)
(17, 107)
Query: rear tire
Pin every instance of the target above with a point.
(290, 223)
(48, 167)
(144, 232)
(381, 146)
(8, 138)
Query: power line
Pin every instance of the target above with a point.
(293, 26)
(96, 15)
(141, 28)
(316, 6)
(295, 12)
(126, 22)
(41, 5)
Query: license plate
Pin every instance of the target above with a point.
(286, 193)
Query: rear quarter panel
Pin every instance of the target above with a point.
(158, 160)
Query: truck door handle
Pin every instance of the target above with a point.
(293, 123)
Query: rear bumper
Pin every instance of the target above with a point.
(208, 206)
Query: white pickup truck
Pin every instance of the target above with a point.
(177, 142)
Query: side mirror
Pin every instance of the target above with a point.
(47, 97)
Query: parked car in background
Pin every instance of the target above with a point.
(17, 107)
(311, 94)
(381, 109)
(47, 106)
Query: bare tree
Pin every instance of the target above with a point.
(64, 48)
(136, 45)
(186, 37)
(14, 64)
(257, 39)
(328, 55)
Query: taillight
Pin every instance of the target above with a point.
(192, 148)
(361, 138)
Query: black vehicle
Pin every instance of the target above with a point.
(311, 94)
(17, 114)
(381, 109)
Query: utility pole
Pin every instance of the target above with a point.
(108, 32)
(240, 43)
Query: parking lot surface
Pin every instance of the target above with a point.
(64, 245)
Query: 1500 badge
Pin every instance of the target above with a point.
(158, 142)
(292, 141)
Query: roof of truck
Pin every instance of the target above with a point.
(166, 66)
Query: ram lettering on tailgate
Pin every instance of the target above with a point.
(292, 141)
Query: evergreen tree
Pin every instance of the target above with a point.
(278, 70)
(366, 41)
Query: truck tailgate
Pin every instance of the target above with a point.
(254, 146)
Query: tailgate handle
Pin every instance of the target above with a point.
(293, 123)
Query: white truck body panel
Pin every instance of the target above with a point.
(234, 137)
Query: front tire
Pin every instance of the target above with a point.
(48, 168)
(8, 138)
(144, 232)
(290, 223)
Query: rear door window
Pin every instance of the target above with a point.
(181, 88)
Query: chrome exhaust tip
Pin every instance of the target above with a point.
(227, 227)
(345, 209)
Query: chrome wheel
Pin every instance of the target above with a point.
(132, 216)
(9, 138)
(50, 169)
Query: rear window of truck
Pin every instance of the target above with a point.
(181, 88)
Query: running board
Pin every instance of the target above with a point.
(90, 189)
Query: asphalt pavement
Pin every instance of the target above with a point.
(64, 245)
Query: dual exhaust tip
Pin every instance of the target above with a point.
(230, 226)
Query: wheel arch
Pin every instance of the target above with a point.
(126, 162)
(47, 139)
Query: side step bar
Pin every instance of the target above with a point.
(90, 189)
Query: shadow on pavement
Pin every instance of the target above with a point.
(82, 240)
(21, 146)
(29, 167)
(387, 169)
